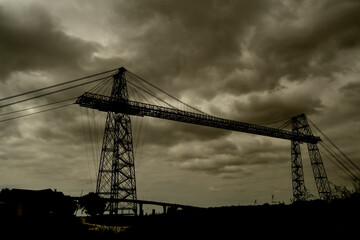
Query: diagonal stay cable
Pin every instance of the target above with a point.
(40, 106)
(336, 147)
(353, 176)
(336, 163)
(97, 88)
(152, 95)
(166, 93)
(56, 85)
(46, 94)
(29, 114)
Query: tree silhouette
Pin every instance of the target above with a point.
(92, 204)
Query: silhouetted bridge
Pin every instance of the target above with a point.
(123, 94)
(165, 205)
(116, 176)
(140, 203)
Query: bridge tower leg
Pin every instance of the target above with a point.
(297, 172)
(301, 126)
(116, 176)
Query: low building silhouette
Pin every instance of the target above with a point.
(23, 202)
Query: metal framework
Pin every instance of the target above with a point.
(116, 179)
(301, 126)
(297, 172)
(125, 106)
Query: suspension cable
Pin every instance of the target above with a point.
(336, 162)
(152, 95)
(152, 85)
(336, 147)
(49, 93)
(42, 111)
(345, 168)
(34, 107)
(56, 85)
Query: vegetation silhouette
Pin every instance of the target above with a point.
(92, 204)
(336, 218)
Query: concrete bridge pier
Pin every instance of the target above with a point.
(141, 211)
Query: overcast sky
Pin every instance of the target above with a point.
(253, 61)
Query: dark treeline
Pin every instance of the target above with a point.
(337, 217)
(299, 220)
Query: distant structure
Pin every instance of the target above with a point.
(35, 203)
(116, 177)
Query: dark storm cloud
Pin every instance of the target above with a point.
(238, 47)
(190, 37)
(187, 39)
(276, 56)
(35, 52)
(221, 157)
(35, 42)
(351, 100)
(274, 107)
(309, 42)
(249, 60)
(168, 133)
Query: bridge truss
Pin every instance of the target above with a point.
(116, 176)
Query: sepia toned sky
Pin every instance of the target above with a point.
(248, 60)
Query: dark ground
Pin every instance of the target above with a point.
(300, 220)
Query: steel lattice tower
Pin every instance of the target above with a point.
(297, 172)
(116, 177)
(301, 126)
